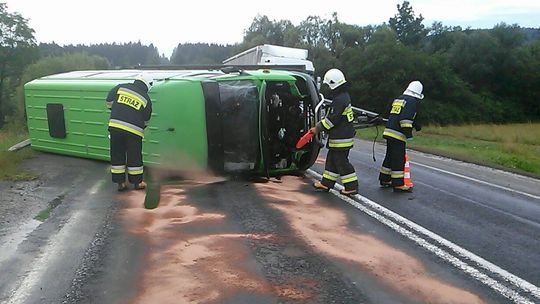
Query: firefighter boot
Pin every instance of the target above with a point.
(140, 186)
(385, 184)
(320, 186)
(348, 192)
(122, 187)
(403, 189)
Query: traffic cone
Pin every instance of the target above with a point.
(407, 173)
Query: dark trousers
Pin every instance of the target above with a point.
(126, 149)
(338, 165)
(394, 163)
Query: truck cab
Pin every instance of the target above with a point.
(262, 114)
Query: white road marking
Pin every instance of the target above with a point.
(389, 218)
(468, 177)
(479, 181)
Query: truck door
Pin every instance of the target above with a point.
(286, 112)
(308, 87)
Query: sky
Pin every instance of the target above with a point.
(166, 23)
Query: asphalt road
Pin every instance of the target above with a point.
(467, 234)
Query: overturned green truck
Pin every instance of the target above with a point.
(222, 120)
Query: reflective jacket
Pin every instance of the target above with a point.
(339, 121)
(401, 118)
(130, 106)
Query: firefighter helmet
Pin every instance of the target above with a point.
(334, 78)
(147, 79)
(415, 89)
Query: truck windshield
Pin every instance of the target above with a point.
(239, 102)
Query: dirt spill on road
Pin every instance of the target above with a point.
(187, 262)
(327, 230)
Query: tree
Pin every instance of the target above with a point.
(352, 36)
(510, 36)
(264, 31)
(200, 54)
(441, 37)
(378, 72)
(17, 49)
(331, 34)
(409, 29)
(317, 32)
(311, 31)
(125, 55)
(530, 83)
(474, 57)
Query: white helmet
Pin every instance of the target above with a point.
(147, 79)
(415, 89)
(334, 78)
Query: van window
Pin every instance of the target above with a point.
(55, 120)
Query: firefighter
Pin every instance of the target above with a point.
(131, 108)
(339, 125)
(398, 130)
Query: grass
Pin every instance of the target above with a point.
(10, 161)
(44, 214)
(513, 147)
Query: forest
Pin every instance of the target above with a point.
(469, 75)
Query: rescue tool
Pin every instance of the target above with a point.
(304, 140)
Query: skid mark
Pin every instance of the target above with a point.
(185, 263)
(327, 230)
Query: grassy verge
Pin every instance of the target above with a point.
(10, 161)
(513, 147)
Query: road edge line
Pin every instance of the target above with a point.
(507, 276)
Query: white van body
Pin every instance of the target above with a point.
(268, 54)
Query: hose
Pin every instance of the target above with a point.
(374, 140)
